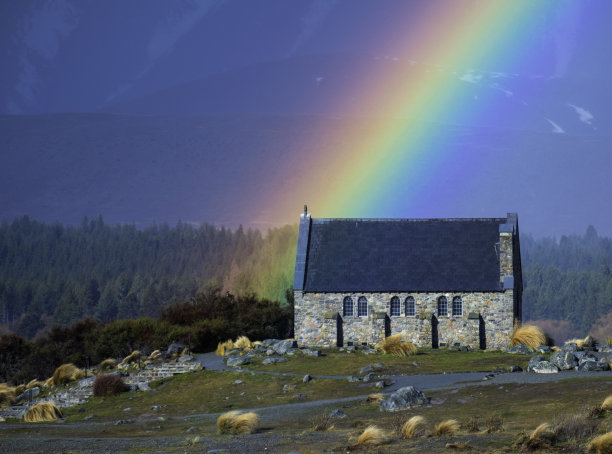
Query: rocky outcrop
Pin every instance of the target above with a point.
(404, 398)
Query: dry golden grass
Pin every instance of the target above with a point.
(34, 383)
(601, 444)
(243, 342)
(108, 364)
(458, 446)
(257, 344)
(395, 345)
(184, 352)
(19, 389)
(42, 412)
(155, 354)
(48, 383)
(540, 438)
(607, 403)
(66, 373)
(245, 423)
(528, 335)
(609, 341)
(375, 398)
(414, 427)
(222, 347)
(7, 395)
(581, 343)
(131, 358)
(225, 422)
(448, 427)
(372, 436)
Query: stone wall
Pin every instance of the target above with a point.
(486, 320)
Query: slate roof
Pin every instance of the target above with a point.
(393, 255)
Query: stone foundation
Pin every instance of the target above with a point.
(486, 320)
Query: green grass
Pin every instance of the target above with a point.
(430, 361)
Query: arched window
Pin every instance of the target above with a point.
(442, 307)
(409, 308)
(347, 307)
(362, 306)
(395, 307)
(457, 306)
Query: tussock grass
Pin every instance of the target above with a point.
(472, 425)
(528, 335)
(42, 412)
(245, 423)
(34, 383)
(541, 438)
(414, 427)
(7, 395)
(323, 423)
(607, 403)
(155, 354)
(581, 343)
(609, 341)
(131, 358)
(108, 364)
(19, 389)
(494, 424)
(222, 347)
(395, 345)
(48, 383)
(108, 385)
(225, 422)
(574, 428)
(243, 342)
(375, 398)
(458, 446)
(601, 444)
(372, 436)
(448, 427)
(66, 373)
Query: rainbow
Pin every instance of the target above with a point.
(392, 160)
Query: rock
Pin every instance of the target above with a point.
(339, 414)
(185, 359)
(545, 367)
(143, 386)
(289, 387)
(544, 349)
(534, 361)
(564, 360)
(521, 349)
(300, 397)
(353, 379)
(273, 360)
(586, 357)
(570, 347)
(594, 366)
(124, 421)
(28, 394)
(308, 352)
(282, 346)
(237, 361)
(350, 349)
(270, 352)
(366, 369)
(127, 409)
(191, 429)
(88, 417)
(403, 398)
(416, 363)
(605, 348)
(233, 352)
(379, 365)
(2, 419)
(515, 369)
(175, 348)
(307, 378)
(292, 351)
(268, 342)
(86, 382)
(369, 377)
(238, 382)
(380, 384)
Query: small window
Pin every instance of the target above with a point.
(347, 307)
(442, 307)
(409, 307)
(457, 306)
(395, 307)
(362, 306)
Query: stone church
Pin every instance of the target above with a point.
(443, 282)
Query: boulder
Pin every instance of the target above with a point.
(282, 346)
(522, 349)
(185, 359)
(28, 394)
(544, 349)
(268, 342)
(594, 366)
(380, 384)
(273, 360)
(534, 361)
(237, 361)
(545, 367)
(339, 414)
(564, 360)
(308, 352)
(570, 347)
(403, 398)
(369, 377)
(175, 348)
(353, 379)
(515, 369)
(307, 378)
(366, 369)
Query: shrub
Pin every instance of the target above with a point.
(574, 428)
(472, 425)
(601, 444)
(323, 422)
(414, 427)
(66, 373)
(245, 423)
(372, 436)
(42, 412)
(448, 427)
(528, 335)
(225, 421)
(494, 424)
(394, 345)
(108, 385)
